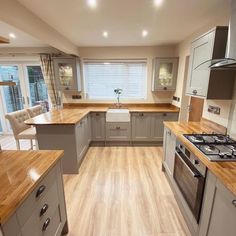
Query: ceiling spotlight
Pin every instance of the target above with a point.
(158, 3)
(92, 3)
(12, 35)
(144, 33)
(105, 34)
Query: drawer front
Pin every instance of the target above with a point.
(46, 216)
(34, 199)
(118, 131)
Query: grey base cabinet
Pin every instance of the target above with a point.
(29, 220)
(117, 131)
(169, 151)
(219, 209)
(98, 126)
(149, 126)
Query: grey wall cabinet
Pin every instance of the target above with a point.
(219, 210)
(202, 81)
(118, 131)
(98, 126)
(141, 126)
(169, 151)
(164, 74)
(67, 74)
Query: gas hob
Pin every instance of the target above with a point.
(216, 147)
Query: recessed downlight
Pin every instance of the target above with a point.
(144, 33)
(12, 35)
(92, 3)
(105, 34)
(157, 3)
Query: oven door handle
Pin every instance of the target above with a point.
(194, 174)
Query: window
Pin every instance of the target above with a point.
(102, 77)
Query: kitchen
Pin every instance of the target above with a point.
(117, 134)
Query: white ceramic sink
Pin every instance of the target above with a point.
(118, 115)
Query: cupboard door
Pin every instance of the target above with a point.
(165, 74)
(223, 215)
(98, 126)
(198, 79)
(169, 151)
(141, 126)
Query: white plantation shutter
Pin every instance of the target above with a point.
(102, 77)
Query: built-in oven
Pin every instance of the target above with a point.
(189, 175)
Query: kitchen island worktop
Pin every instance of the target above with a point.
(20, 172)
(73, 114)
(224, 171)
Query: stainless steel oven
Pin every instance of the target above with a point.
(189, 175)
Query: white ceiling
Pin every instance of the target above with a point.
(22, 39)
(125, 19)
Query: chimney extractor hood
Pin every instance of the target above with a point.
(229, 62)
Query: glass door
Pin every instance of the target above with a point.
(12, 97)
(37, 90)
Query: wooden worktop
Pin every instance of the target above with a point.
(20, 172)
(224, 171)
(72, 114)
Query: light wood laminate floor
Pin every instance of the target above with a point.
(120, 191)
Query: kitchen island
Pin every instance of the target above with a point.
(32, 193)
(217, 214)
(73, 128)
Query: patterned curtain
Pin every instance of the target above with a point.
(48, 74)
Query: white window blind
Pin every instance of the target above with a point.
(102, 77)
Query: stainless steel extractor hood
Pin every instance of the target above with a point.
(229, 62)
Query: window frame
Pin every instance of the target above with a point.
(136, 60)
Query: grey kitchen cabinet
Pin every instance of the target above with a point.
(98, 126)
(141, 126)
(118, 131)
(41, 214)
(149, 126)
(169, 151)
(164, 74)
(157, 129)
(219, 209)
(202, 81)
(67, 73)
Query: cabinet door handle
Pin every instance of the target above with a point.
(46, 224)
(165, 88)
(97, 114)
(195, 91)
(40, 191)
(141, 114)
(234, 202)
(164, 114)
(43, 209)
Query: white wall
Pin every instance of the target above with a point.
(129, 53)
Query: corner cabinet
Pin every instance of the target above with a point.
(67, 74)
(202, 81)
(164, 74)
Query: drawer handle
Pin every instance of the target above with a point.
(194, 91)
(141, 114)
(164, 114)
(165, 88)
(40, 191)
(46, 224)
(234, 202)
(117, 127)
(43, 209)
(97, 114)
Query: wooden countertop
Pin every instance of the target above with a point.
(73, 115)
(224, 171)
(20, 172)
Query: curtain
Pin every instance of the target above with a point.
(49, 78)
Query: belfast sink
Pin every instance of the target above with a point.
(118, 115)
